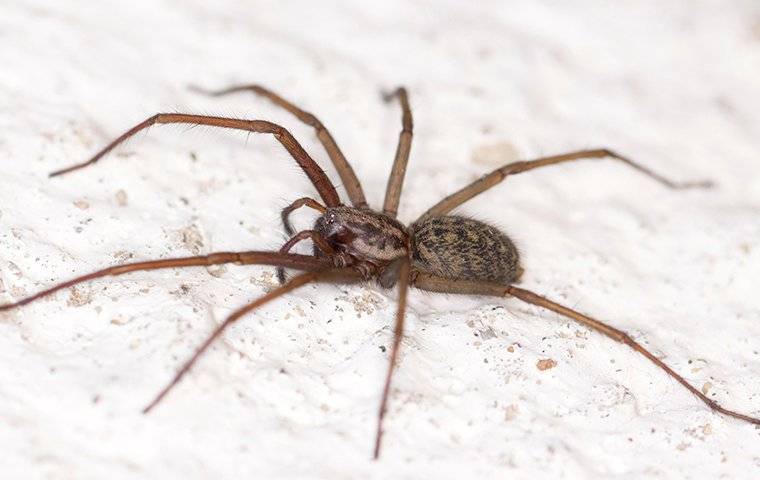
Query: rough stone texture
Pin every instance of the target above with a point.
(292, 390)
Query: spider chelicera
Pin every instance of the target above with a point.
(438, 252)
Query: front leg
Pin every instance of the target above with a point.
(316, 175)
(301, 202)
(322, 249)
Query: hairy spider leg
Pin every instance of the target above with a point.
(301, 202)
(308, 165)
(318, 240)
(494, 178)
(398, 171)
(437, 284)
(299, 262)
(345, 171)
(294, 283)
(398, 334)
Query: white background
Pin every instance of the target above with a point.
(292, 390)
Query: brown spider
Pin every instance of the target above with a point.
(438, 252)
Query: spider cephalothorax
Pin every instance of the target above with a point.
(439, 252)
(370, 239)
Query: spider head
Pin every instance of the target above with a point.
(363, 234)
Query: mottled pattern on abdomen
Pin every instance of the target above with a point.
(464, 249)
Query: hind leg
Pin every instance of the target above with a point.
(437, 284)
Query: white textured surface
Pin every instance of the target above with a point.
(292, 390)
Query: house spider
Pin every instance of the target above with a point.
(437, 252)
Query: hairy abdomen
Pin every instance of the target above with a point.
(464, 249)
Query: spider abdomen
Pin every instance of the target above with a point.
(461, 248)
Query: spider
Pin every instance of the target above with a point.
(438, 252)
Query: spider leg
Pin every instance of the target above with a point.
(398, 333)
(294, 283)
(396, 179)
(308, 165)
(306, 201)
(285, 214)
(347, 175)
(319, 243)
(437, 284)
(300, 262)
(494, 178)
